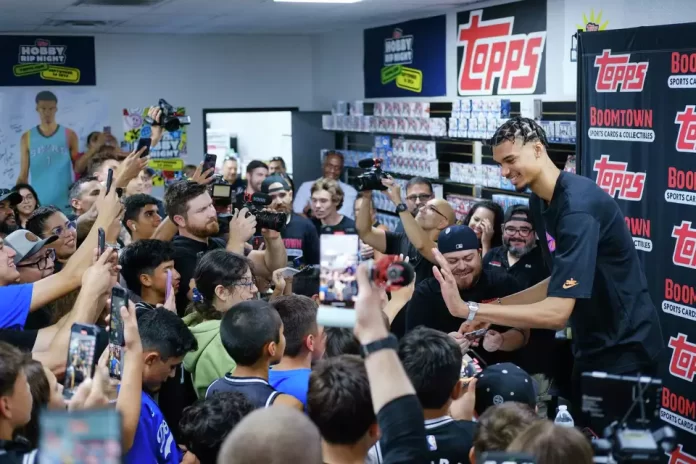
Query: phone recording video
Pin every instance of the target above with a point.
(80, 437)
(209, 162)
(119, 299)
(144, 143)
(339, 258)
(81, 352)
(101, 241)
(109, 180)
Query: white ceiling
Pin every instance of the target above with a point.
(213, 16)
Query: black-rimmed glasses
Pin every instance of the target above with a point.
(42, 263)
(523, 231)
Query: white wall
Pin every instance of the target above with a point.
(203, 72)
(340, 53)
(259, 135)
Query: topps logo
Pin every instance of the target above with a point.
(617, 70)
(685, 246)
(614, 178)
(686, 138)
(491, 51)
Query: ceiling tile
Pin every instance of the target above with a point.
(172, 22)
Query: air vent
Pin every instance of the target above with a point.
(80, 23)
(117, 2)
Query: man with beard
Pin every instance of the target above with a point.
(8, 222)
(460, 248)
(419, 191)
(256, 172)
(299, 236)
(519, 255)
(597, 283)
(191, 209)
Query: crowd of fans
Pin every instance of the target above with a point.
(224, 360)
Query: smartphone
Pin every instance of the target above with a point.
(80, 437)
(102, 241)
(144, 143)
(209, 162)
(475, 334)
(339, 257)
(109, 180)
(107, 130)
(119, 298)
(329, 316)
(81, 357)
(168, 288)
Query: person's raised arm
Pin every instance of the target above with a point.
(275, 256)
(242, 228)
(24, 159)
(129, 395)
(376, 238)
(129, 169)
(52, 342)
(83, 161)
(61, 283)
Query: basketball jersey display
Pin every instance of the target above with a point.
(50, 168)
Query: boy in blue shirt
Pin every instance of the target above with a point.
(305, 342)
(165, 339)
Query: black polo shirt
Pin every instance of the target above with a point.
(400, 244)
(186, 252)
(529, 270)
(615, 325)
(428, 308)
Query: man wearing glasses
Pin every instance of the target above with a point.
(419, 191)
(519, 255)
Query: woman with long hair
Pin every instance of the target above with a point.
(486, 219)
(222, 279)
(30, 201)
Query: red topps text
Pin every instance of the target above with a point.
(618, 73)
(686, 137)
(615, 179)
(685, 245)
(491, 51)
(683, 361)
(678, 456)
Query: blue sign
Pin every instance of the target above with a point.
(406, 59)
(40, 60)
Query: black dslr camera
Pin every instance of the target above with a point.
(372, 178)
(169, 120)
(264, 219)
(221, 192)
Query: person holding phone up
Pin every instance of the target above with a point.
(460, 248)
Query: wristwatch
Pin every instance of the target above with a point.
(473, 309)
(400, 208)
(389, 343)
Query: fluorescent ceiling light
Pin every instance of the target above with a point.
(317, 1)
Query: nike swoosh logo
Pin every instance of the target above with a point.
(567, 285)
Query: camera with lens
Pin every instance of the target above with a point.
(371, 179)
(169, 119)
(221, 192)
(265, 219)
(391, 273)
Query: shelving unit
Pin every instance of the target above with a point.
(459, 150)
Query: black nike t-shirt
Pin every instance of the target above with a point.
(592, 258)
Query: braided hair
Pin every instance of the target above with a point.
(526, 129)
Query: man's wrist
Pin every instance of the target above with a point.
(372, 334)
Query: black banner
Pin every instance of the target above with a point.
(637, 140)
(41, 60)
(501, 49)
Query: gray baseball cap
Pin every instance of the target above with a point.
(26, 244)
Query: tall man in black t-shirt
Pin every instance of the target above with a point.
(596, 278)
(299, 236)
(191, 209)
(327, 200)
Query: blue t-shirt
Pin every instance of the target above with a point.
(154, 442)
(294, 382)
(15, 301)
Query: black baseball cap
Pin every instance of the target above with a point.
(268, 181)
(10, 195)
(457, 238)
(518, 213)
(504, 382)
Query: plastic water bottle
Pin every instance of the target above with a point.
(563, 418)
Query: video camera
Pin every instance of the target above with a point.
(264, 219)
(169, 120)
(626, 409)
(390, 273)
(221, 192)
(372, 178)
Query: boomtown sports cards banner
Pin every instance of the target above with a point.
(501, 49)
(406, 59)
(636, 95)
(46, 60)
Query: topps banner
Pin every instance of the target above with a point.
(46, 60)
(500, 50)
(637, 140)
(406, 59)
